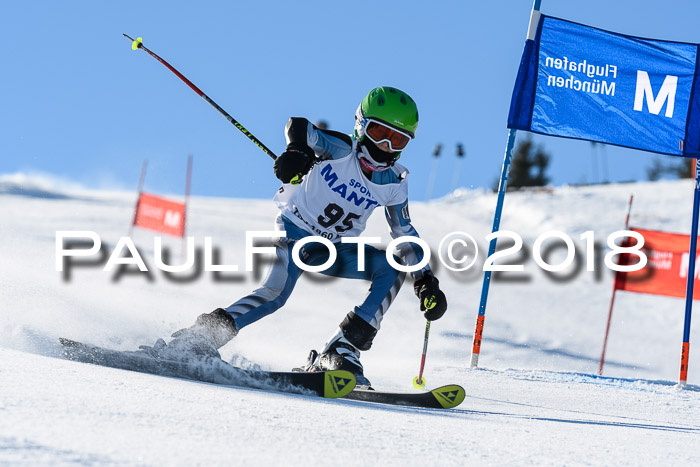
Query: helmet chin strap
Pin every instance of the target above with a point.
(369, 162)
(369, 166)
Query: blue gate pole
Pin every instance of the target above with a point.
(685, 349)
(479, 327)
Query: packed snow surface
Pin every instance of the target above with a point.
(536, 397)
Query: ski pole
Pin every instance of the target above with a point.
(138, 44)
(419, 381)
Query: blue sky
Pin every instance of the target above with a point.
(78, 103)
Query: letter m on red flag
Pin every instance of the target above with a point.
(160, 214)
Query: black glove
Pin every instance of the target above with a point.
(432, 300)
(295, 161)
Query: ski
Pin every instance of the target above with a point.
(444, 397)
(332, 384)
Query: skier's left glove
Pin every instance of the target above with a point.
(432, 300)
(294, 163)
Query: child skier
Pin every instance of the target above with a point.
(331, 184)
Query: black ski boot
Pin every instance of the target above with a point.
(342, 352)
(339, 354)
(210, 332)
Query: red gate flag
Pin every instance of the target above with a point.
(666, 272)
(160, 214)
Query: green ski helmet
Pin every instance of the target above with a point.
(390, 106)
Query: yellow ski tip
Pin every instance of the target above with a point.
(419, 384)
(338, 383)
(137, 43)
(449, 396)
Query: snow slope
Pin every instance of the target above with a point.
(534, 400)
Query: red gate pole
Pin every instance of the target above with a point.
(612, 300)
(142, 177)
(188, 182)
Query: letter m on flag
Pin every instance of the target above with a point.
(667, 94)
(160, 214)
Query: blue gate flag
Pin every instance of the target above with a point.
(576, 81)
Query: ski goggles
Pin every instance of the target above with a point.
(379, 132)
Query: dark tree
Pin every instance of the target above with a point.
(671, 166)
(686, 168)
(528, 166)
